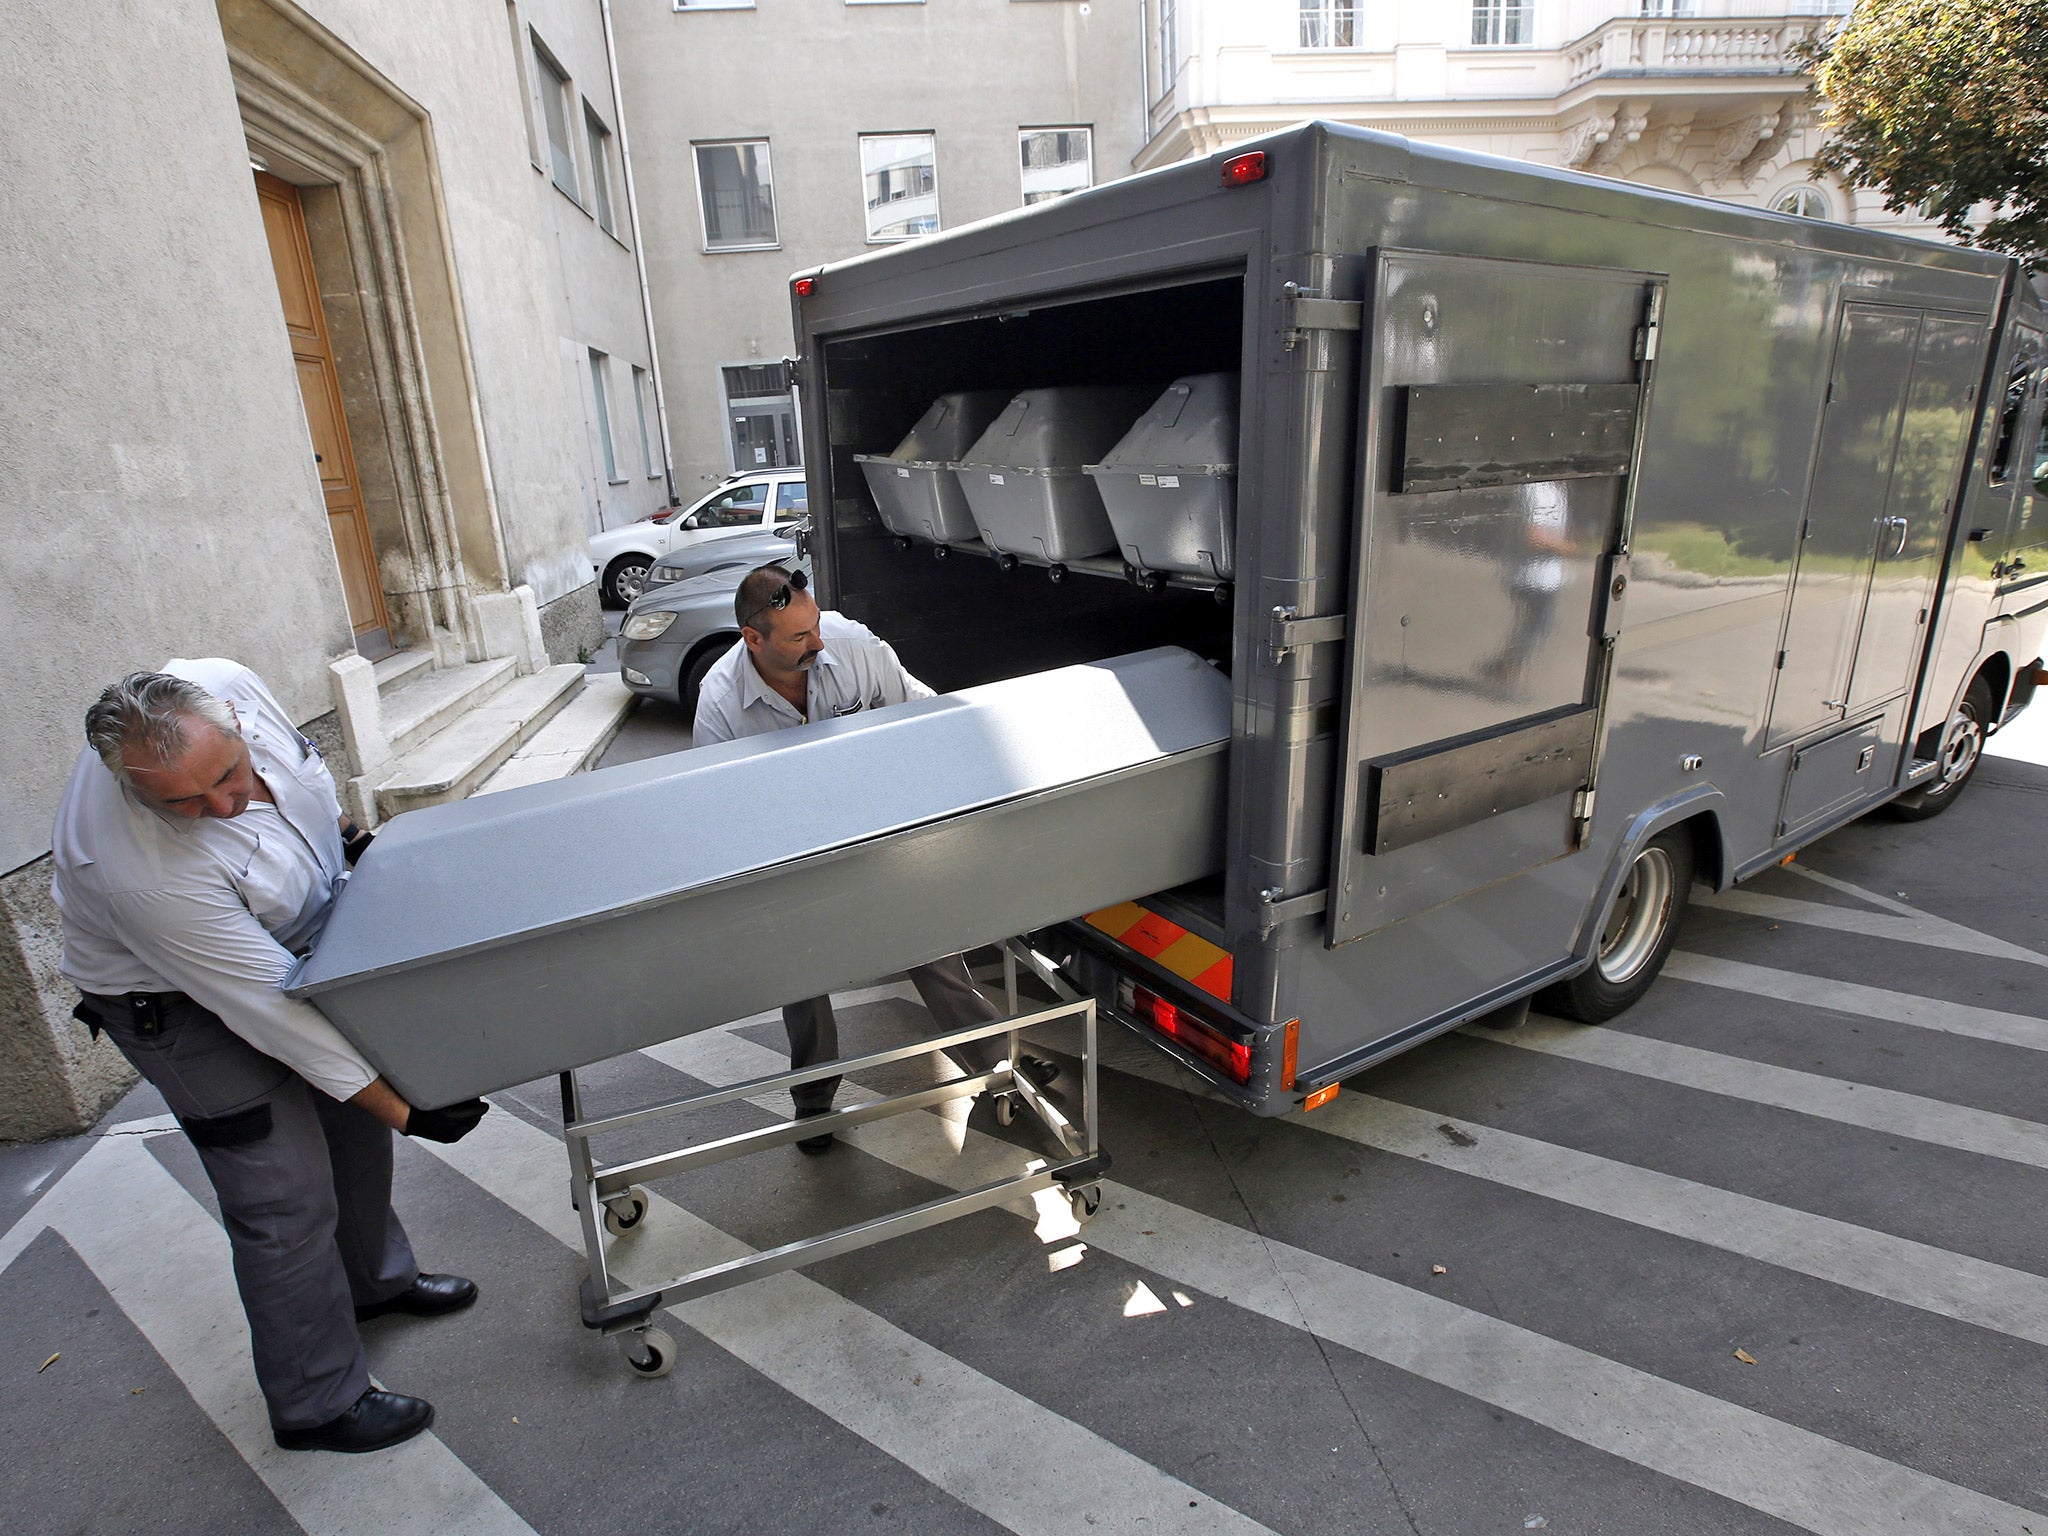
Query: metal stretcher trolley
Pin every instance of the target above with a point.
(531, 933)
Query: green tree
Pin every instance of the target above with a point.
(1944, 103)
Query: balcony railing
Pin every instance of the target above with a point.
(1652, 45)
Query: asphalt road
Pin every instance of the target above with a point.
(1763, 1255)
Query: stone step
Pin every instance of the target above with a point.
(415, 711)
(462, 756)
(573, 740)
(401, 667)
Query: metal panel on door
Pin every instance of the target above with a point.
(1502, 414)
(1851, 478)
(1925, 473)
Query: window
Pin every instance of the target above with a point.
(736, 194)
(1667, 7)
(761, 410)
(792, 499)
(740, 507)
(604, 417)
(2019, 383)
(899, 175)
(1056, 161)
(525, 81)
(640, 408)
(600, 168)
(1500, 23)
(1802, 203)
(1329, 23)
(554, 111)
(714, 5)
(1169, 47)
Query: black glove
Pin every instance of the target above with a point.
(355, 842)
(450, 1124)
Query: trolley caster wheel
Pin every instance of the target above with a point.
(942, 552)
(1223, 594)
(1006, 1109)
(904, 541)
(1086, 1201)
(1055, 573)
(623, 1214)
(649, 1352)
(1006, 562)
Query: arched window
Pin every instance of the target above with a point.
(1802, 203)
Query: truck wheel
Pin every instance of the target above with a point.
(1962, 749)
(1637, 933)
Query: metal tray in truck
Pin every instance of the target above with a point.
(516, 936)
(1170, 484)
(914, 488)
(1024, 479)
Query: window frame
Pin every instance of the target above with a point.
(783, 399)
(551, 76)
(1327, 17)
(1497, 16)
(868, 210)
(600, 391)
(1799, 193)
(598, 140)
(2023, 384)
(641, 379)
(1024, 135)
(767, 161)
(681, 6)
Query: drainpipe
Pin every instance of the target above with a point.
(611, 56)
(1144, 77)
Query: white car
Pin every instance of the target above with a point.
(761, 499)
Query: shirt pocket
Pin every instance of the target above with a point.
(277, 882)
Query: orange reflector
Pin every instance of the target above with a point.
(1168, 945)
(1243, 170)
(1787, 860)
(1288, 1042)
(1321, 1097)
(805, 287)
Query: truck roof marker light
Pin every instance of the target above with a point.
(1242, 170)
(805, 287)
(1320, 1097)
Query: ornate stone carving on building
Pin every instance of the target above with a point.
(1628, 123)
(1577, 144)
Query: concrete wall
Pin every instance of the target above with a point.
(809, 76)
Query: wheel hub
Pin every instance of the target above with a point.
(1637, 917)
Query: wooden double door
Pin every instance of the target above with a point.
(291, 254)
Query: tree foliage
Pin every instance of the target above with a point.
(1944, 102)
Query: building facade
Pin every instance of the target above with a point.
(770, 138)
(1699, 96)
(302, 328)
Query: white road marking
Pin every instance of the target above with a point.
(1993, 1296)
(1807, 1093)
(165, 1262)
(2019, 1029)
(1908, 928)
(992, 1448)
(1735, 1452)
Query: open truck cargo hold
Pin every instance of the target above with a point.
(915, 489)
(512, 937)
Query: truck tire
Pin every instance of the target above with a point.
(1962, 748)
(1637, 932)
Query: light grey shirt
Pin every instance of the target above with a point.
(216, 909)
(856, 671)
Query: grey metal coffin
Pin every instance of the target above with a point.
(493, 941)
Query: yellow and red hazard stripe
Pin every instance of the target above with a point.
(1168, 945)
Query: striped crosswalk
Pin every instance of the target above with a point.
(1026, 1454)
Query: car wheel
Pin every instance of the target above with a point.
(1962, 748)
(1636, 934)
(697, 668)
(624, 579)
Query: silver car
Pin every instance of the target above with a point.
(673, 633)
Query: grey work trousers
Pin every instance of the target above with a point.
(950, 994)
(304, 1184)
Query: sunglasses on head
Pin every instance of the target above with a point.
(779, 598)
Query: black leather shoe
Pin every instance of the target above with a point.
(1038, 1069)
(427, 1296)
(373, 1421)
(815, 1144)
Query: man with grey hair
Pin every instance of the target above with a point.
(198, 850)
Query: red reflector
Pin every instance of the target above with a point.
(1243, 170)
(1233, 1058)
(805, 287)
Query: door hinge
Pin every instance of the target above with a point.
(1301, 310)
(1280, 909)
(1291, 630)
(1781, 661)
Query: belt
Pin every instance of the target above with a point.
(144, 1011)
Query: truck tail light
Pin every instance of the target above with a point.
(1233, 1058)
(805, 287)
(1242, 170)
